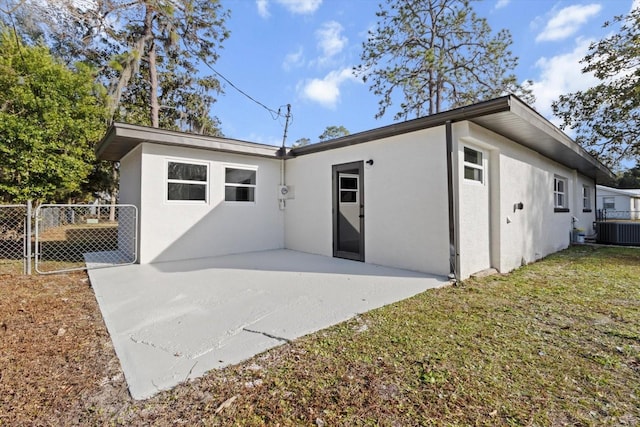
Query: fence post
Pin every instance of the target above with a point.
(28, 237)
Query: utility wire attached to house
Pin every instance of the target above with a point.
(274, 114)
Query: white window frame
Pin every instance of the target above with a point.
(560, 194)
(168, 181)
(605, 202)
(475, 166)
(586, 198)
(350, 190)
(233, 184)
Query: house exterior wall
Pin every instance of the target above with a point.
(172, 230)
(515, 175)
(622, 202)
(627, 207)
(406, 211)
(129, 194)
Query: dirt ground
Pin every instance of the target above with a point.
(58, 365)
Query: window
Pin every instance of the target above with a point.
(473, 169)
(187, 181)
(609, 203)
(348, 188)
(239, 185)
(586, 198)
(560, 194)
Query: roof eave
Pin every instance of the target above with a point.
(573, 154)
(121, 138)
(463, 113)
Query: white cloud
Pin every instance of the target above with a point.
(567, 21)
(294, 59)
(330, 40)
(502, 3)
(559, 75)
(326, 91)
(302, 7)
(263, 8)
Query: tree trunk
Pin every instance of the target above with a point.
(153, 77)
(132, 64)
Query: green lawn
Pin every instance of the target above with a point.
(554, 343)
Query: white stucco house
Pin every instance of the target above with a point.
(618, 203)
(491, 185)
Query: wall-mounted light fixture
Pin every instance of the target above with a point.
(518, 206)
(370, 162)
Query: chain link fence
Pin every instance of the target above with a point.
(70, 237)
(14, 237)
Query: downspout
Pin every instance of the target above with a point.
(453, 241)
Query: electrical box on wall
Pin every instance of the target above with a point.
(286, 192)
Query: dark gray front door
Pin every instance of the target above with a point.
(348, 211)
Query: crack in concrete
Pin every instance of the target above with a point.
(267, 335)
(157, 347)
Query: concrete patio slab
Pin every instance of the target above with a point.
(173, 321)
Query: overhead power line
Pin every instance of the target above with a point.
(274, 114)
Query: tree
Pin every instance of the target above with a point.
(333, 132)
(606, 117)
(301, 142)
(50, 118)
(629, 178)
(146, 49)
(436, 53)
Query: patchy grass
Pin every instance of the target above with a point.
(553, 343)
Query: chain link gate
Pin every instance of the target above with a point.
(75, 237)
(15, 238)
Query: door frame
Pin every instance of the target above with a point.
(335, 183)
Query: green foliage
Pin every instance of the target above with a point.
(301, 142)
(180, 37)
(333, 132)
(436, 53)
(606, 117)
(629, 178)
(50, 119)
(121, 37)
(184, 101)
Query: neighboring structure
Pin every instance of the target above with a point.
(491, 185)
(614, 203)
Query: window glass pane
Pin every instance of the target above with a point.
(347, 183)
(177, 191)
(348, 197)
(609, 203)
(473, 173)
(240, 176)
(472, 156)
(239, 194)
(187, 172)
(560, 186)
(560, 200)
(586, 198)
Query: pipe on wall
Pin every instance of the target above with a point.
(453, 240)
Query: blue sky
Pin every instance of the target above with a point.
(301, 52)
